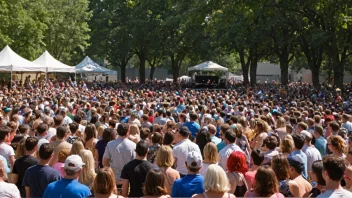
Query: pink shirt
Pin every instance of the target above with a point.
(59, 167)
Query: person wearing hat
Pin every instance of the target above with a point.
(192, 183)
(69, 185)
(298, 185)
(182, 147)
(309, 149)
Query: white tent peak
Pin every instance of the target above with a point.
(208, 66)
(89, 66)
(53, 65)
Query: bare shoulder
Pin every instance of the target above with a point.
(231, 195)
(198, 196)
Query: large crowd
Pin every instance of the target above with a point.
(72, 139)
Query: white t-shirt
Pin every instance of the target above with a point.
(51, 133)
(313, 155)
(204, 169)
(6, 151)
(180, 152)
(225, 153)
(9, 190)
(338, 193)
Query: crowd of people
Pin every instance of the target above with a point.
(68, 139)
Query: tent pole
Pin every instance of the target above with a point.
(11, 77)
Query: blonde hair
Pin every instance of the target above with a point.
(100, 131)
(164, 157)
(87, 174)
(287, 145)
(77, 147)
(216, 180)
(134, 129)
(280, 122)
(211, 153)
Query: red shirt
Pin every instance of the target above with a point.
(151, 119)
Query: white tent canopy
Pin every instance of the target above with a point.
(89, 66)
(185, 78)
(12, 62)
(53, 65)
(208, 66)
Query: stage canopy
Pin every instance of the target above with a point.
(12, 62)
(53, 65)
(89, 66)
(208, 66)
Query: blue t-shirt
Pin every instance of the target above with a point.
(193, 127)
(303, 159)
(188, 186)
(69, 188)
(180, 108)
(320, 144)
(38, 177)
(216, 140)
(221, 145)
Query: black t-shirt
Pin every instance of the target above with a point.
(20, 167)
(136, 171)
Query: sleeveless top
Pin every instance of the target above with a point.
(240, 190)
(284, 188)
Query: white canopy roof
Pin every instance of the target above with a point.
(208, 66)
(89, 66)
(53, 65)
(10, 61)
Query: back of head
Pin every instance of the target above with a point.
(4, 131)
(266, 182)
(104, 182)
(41, 128)
(257, 157)
(73, 127)
(31, 143)
(237, 162)
(142, 148)
(61, 132)
(333, 168)
(317, 169)
(216, 180)
(281, 167)
(108, 134)
(23, 128)
(210, 153)
(122, 130)
(299, 140)
(45, 151)
(230, 136)
(58, 120)
(155, 183)
(77, 118)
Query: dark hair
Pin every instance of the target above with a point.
(157, 138)
(122, 129)
(4, 131)
(335, 126)
(30, 143)
(281, 167)
(144, 133)
(257, 157)
(45, 151)
(73, 127)
(112, 123)
(334, 166)
(270, 142)
(58, 120)
(319, 130)
(299, 140)
(142, 148)
(184, 131)
(42, 127)
(77, 118)
(317, 169)
(155, 183)
(202, 138)
(108, 135)
(23, 128)
(169, 137)
(61, 132)
(230, 136)
(90, 132)
(193, 116)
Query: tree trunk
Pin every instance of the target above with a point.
(284, 70)
(175, 69)
(315, 75)
(253, 70)
(338, 73)
(142, 59)
(123, 73)
(152, 70)
(245, 68)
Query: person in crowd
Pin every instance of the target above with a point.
(202, 138)
(223, 128)
(299, 140)
(193, 182)
(39, 176)
(77, 147)
(333, 128)
(299, 186)
(182, 147)
(237, 168)
(317, 177)
(108, 135)
(6, 150)
(7, 189)
(266, 184)
(309, 149)
(230, 139)
(269, 146)
(281, 128)
(337, 146)
(87, 174)
(51, 131)
(90, 137)
(134, 172)
(104, 185)
(346, 118)
(257, 159)
(73, 129)
(242, 141)
(333, 170)
(20, 150)
(301, 126)
(260, 135)
(210, 157)
(60, 143)
(62, 156)
(155, 185)
(212, 132)
(119, 152)
(192, 125)
(134, 133)
(160, 120)
(157, 140)
(216, 183)
(68, 186)
(281, 167)
(320, 141)
(165, 160)
(287, 145)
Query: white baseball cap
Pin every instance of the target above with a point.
(194, 160)
(74, 162)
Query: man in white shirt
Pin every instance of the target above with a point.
(229, 138)
(182, 147)
(309, 149)
(333, 171)
(6, 150)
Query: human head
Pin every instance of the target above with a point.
(333, 168)
(169, 138)
(337, 144)
(134, 129)
(257, 157)
(164, 157)
(270, 142)
(4, 132)
(23, 128)
(62, 132)
(77, 146)
(318, 131)
(280, 122)
(42, 129)
(73, 128)
(104, 182)
(317, 172)
(155, 183)
(229, 136)
(90, 132)
(202, 138)
(109, 134)
(73, 166)
(45, 151)
(301, 126)
(63, 154)
(122, 130)
(287, 145)
(215, 179)
(335, 127)
(182, 133)
(58, 119)
(142, 148)
(31, 144)
(266, 182)
(307, 136)
(298, 140)
(157, 138)
(194, 162)
(237, 162)
(296, 166)
(281, 167)
(210, 152)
